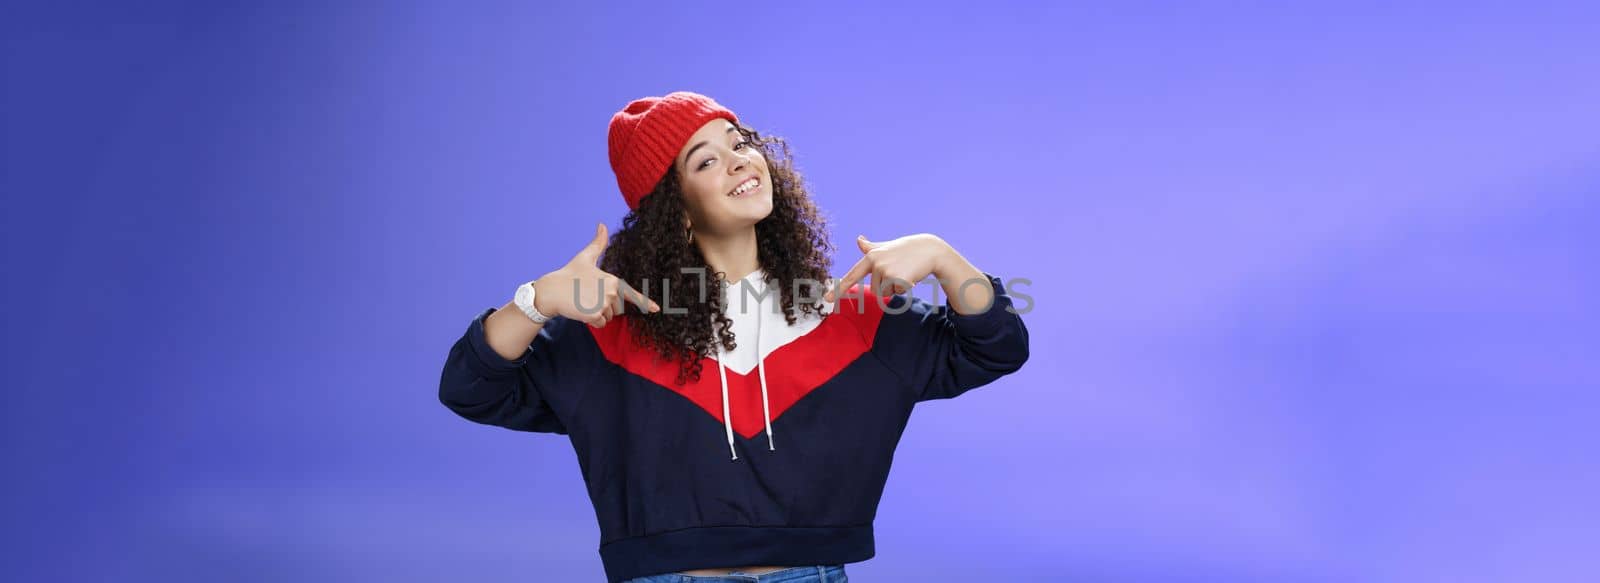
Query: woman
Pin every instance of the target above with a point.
(722, 261)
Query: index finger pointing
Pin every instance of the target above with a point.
(634, 295)
(862, 267)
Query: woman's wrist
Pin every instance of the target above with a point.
(541, 297)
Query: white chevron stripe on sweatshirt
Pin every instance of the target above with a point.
(754, 310)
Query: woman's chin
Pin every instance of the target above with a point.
(753, 210)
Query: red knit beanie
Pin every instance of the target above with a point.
(646, 135)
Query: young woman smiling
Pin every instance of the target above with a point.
(771, 467)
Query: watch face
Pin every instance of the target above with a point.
(524, 294)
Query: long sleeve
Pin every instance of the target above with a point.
(526, 394)
(942, 353)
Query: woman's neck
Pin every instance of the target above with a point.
(734, 255)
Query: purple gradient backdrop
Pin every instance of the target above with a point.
(1314, 287)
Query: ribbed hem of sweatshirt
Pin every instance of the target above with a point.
(711, 546)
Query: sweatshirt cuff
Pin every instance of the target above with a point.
(489, 362)
(985, 323)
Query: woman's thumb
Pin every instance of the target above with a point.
(864, 244)
(591, 252)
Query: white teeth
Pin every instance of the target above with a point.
(746, 187)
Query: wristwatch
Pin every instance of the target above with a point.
(524, 301)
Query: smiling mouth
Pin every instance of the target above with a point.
(745, 188)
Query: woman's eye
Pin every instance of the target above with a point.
(736, 145)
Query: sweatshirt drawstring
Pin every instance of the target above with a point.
(727, 420)
(761, 372)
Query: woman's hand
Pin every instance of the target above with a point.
(897, 265)
(580, 280)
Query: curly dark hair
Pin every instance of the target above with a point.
(652, 248)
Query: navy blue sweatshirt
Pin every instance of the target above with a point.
(777, 455)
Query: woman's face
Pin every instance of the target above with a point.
(716, 167)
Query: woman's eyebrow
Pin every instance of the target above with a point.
(686, 157)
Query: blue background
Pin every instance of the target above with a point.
(1314, 284)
